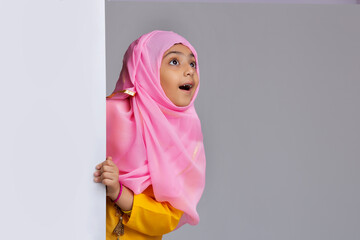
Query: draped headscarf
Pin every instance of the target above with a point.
(151, 140)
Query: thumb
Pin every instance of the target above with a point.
(109, 158)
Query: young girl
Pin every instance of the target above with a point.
(155, 169)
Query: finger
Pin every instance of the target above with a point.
(106, 168)
(108, 162)
(111, 169)
(98, 167)
(107, 175)
(109, 158)
(97, 173)
(97, 179)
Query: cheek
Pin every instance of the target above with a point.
(169, 79)
(167, 82)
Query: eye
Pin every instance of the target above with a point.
(174, 62)
(193, 64)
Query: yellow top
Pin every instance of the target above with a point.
(148, 219)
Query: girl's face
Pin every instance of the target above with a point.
(178, 75)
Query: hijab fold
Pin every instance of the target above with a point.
(151, 140)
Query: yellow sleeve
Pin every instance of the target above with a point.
(151, 217)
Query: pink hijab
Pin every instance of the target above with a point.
(151, 140)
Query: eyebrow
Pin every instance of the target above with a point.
(176, 52)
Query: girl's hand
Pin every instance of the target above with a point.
(108, 174)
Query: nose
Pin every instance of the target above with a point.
(189, 71)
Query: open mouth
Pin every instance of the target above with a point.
(186, 87)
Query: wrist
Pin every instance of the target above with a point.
(117, 194)
(114, 192)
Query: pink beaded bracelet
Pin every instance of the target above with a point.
(121, 187)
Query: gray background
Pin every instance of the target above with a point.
(279, 105)
(257, 1)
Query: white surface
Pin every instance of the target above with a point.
(52, 119)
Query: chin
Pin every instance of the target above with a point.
(182, 104)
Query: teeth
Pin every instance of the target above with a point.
(186, 87)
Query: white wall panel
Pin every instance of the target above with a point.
(52, 99)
